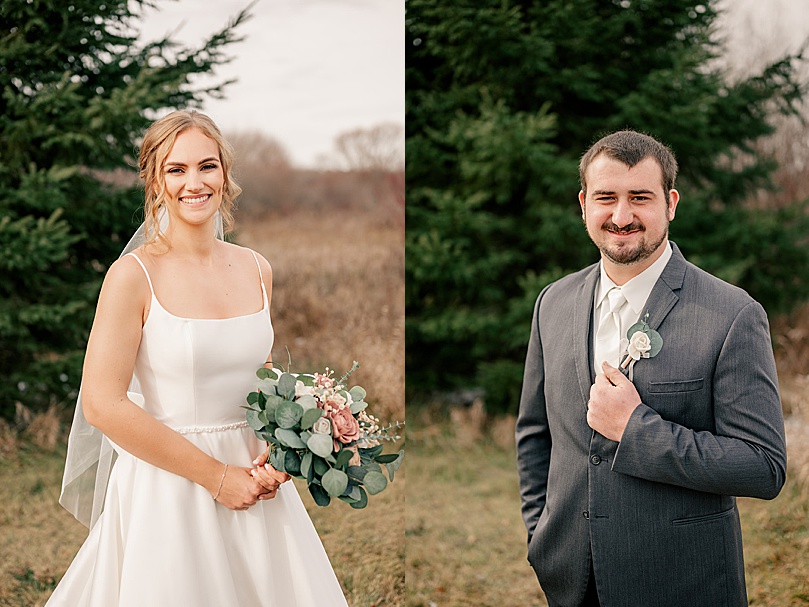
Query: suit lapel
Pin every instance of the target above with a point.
(582, 327)
(664, 294)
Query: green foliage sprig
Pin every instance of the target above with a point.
(320, 432)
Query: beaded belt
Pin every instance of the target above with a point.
(201, 429)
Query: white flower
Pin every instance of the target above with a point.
(322, 426)
(639, 345)
(336, 400)
(301, 389)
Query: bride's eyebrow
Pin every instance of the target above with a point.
(176, 163)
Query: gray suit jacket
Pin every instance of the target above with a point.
(655, 513)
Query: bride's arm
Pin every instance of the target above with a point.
(108, 366)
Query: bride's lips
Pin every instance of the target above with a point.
(195, 201)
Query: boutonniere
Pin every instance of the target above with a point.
(644, 342)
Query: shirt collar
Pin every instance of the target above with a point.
(637, 290)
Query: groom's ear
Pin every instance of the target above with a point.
(581, 204)
(674, 198)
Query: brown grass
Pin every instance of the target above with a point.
(338, 296)
(466, 541)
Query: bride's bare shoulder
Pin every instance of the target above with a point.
(126, 275)
(246, 253)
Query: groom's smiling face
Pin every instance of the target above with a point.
(626, 210)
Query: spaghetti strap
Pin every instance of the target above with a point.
(145, 271)
(260, 277)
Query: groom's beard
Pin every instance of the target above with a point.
(626, 254)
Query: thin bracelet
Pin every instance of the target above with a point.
(221, 480)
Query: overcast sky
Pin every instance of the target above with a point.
(758, 32)
(308, 70)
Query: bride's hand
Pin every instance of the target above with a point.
(239, 489)
(268, 477)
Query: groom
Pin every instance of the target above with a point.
(628, 486)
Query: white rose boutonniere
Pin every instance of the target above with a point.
(644, 342)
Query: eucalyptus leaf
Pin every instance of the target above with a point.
(320, 466)
(307, 401)
(356, 472)
(386, 458)
(394, 465)
(253, 420)
(288, 414)
(362, 502)
(289, 438)
(264, 373)
(352, 492)
(321, 444)
(357, 393)
(375, 482)
(277, 458)
(656, 343)
(292, 463)
(307, 471)
(358, 406)
(319, 495)
(286, 386)
(252, 398)
(310, 416)
(267, 386)
(371, 466)
(343, 458)
(306, 380)
(272, 403)
(335, 481)
(371, 452)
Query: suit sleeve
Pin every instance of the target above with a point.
(746, 456)
(532, 432)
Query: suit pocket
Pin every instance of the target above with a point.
(669, 387)
(703, 518)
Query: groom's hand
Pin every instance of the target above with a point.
(613, 398)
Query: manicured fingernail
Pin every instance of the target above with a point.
(266, 467)
(252, 473)
(255, 461)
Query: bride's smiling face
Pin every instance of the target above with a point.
(193, 177)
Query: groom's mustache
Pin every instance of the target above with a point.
(611, 227)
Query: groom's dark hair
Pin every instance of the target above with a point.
(631, 147)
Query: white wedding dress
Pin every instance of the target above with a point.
(161, 540)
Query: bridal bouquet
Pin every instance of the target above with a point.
(321, 432)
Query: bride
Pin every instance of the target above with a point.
(190, 513)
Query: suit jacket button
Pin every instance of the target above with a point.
(595, 460)
(586, 514)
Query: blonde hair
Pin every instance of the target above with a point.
(157, 144)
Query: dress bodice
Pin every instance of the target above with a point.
(196, 373)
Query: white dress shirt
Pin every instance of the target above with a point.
(636, 291)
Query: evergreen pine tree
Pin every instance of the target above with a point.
(76, 91)
(502, 99)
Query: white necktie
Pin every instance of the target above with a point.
(608, 337)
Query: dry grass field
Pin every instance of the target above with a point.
(466, 540)
(338, 296)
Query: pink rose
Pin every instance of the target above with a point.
(344, 427)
